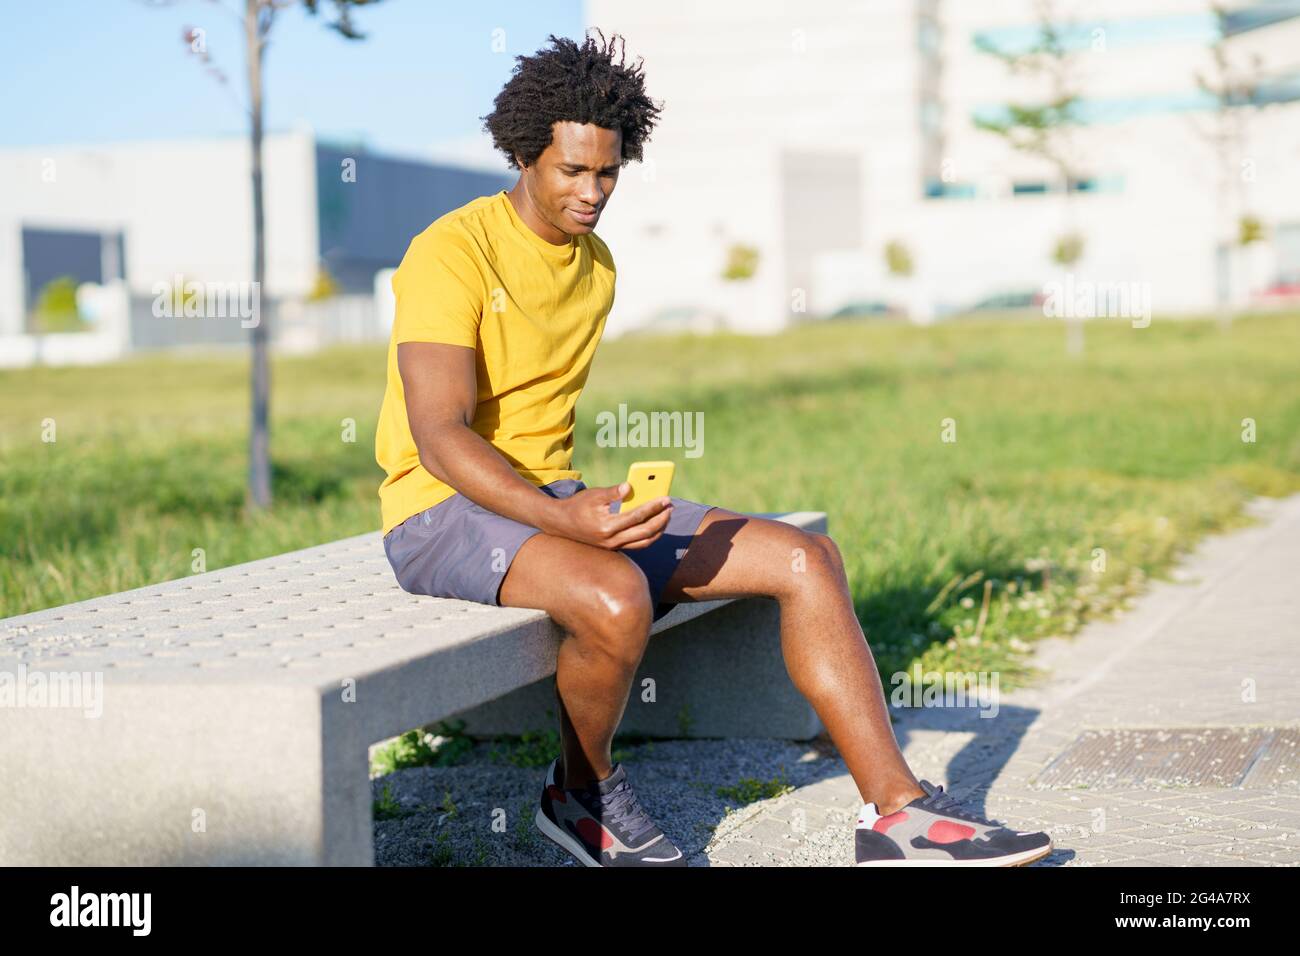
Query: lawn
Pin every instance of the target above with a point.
(1069, 482)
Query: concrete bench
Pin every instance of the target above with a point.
(226, 717)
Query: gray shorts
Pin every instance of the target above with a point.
(458, 549)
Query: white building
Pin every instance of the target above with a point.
(150, 212)
(822, 132)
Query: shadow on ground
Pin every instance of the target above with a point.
(480, 812)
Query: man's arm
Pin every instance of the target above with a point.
(441, 397)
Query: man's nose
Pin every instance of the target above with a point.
(591, 193)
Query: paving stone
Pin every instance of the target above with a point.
(1190, 858)
(774, 833)
(813, 816)
(1196, 839)
(833, 793)
(746, 853)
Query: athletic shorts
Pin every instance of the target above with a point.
(458, 549)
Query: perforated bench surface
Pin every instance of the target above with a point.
(292, 618)
(304, 617)
(249, 695)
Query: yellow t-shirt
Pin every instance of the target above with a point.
(532, 311)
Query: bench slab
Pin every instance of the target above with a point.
(225, 718)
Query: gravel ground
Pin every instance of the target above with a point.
(480, 813)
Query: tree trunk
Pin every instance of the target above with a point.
(1074, 340)
(259, 460)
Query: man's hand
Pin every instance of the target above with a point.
(586, 517)
(441, 389)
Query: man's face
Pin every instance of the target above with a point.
(576, 174)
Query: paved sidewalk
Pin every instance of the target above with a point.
(1217, 647)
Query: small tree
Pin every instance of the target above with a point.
(1250, 229)
(1233, 85)
(1044, 128)
(1068, 249)
(898, 259)
(256, 23)
(742, 262)
(56, 307)
(325, 286)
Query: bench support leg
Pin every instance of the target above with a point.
(193, 775)
(720, 674)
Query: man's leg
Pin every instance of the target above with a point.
(826, 653)
(602, 601)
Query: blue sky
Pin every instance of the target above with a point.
(92, 71)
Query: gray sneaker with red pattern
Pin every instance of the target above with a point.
(602, 824)
(934, 830)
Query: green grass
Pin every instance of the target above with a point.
(749, 789)
(1135, 449)
(387, 806)
(416, 748)
(446, 744)
(533, 748)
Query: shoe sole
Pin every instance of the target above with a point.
(567, 842)
(563, 840)
(1015, 859)
(558, 836)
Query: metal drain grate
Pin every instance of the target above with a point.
(1278, 764)
(1247, 757)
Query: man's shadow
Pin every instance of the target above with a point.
(994, 739)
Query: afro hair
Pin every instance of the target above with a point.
(567, 82)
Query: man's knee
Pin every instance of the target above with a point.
(612, 608)
(822, 560)
(828, 547)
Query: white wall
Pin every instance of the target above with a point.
(185, 207)
(744, 84)
(108, 338)
(743, 81)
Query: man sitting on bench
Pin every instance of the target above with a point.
(500, 306)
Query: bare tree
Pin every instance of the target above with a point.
(1234, 87)
(256, 22)
(1043, 128)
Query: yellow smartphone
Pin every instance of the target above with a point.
(649, 480)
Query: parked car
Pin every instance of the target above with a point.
(866, 308)
(1017, 300)
(1283, 289)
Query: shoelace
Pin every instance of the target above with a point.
(620, 806)
(943, 802)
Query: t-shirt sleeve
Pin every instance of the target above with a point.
(439, 292)
(607, 259)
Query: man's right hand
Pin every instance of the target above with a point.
(586, 517)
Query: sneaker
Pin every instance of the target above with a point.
(934, 830)
(602, 824)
